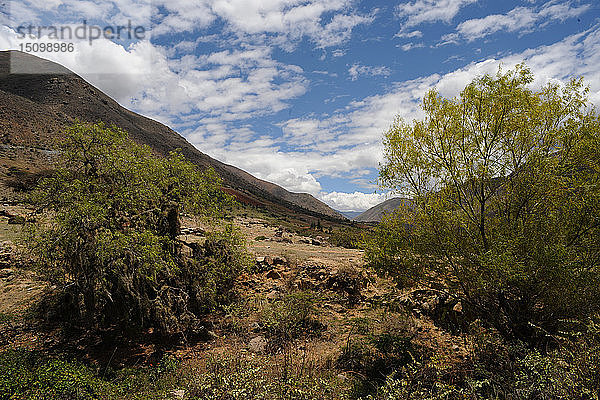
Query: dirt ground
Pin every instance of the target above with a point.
(285, 262)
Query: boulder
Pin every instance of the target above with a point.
(273, 275)
(258, 344)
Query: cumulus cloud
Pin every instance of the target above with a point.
(286, 22)
(519, 19)
(356, 201)
(351, 139)
(427, 11)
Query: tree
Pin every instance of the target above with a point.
(111, 239)
(505, 212)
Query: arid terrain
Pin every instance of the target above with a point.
(347, 302)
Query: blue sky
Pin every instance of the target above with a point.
(299, 92)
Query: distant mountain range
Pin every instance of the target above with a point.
(37, 106)
(374, 214)
(350, 214)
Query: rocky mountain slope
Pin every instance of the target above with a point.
(36, 107)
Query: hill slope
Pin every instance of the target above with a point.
(375, 213)
(35, 109)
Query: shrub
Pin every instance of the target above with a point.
(28, 374)
(238, 378)
(290, 317)
(505, 206)
(112, 245)
(350, 238)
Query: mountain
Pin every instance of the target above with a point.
(35, 107)
(375, 213)
(350, 214)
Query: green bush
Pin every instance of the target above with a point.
(505, 206)
(112, 242)
(237, 378)
(28, 374)
(291, 317)
(350, 238)
(498, 369)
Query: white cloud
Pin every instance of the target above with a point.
(338, 53)
(356, 201)
(233, 84)
(410, 35)
(286, 22)
(428, 11)
(519, 19)
(350, 140)
(356, 70)
(410, 46)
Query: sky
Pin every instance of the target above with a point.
(300, 92)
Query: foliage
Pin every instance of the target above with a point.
(375, 353)
(28, 374)
(350, 238)
(290, 317)
(498, 369)
(505, 211)
(237, 378)
(112, 240)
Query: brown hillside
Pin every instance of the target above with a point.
(35, 109)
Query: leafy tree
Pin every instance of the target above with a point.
(505, 211)
(111, 239)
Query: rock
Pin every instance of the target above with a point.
(16, 220)
(260, 260)
(273, 275)
(279, 261)
(258, 344)
(255, 326)
(6, 273)
(187, 251)
(305, 240)
(315, 242)
(457, 307)
(178, 394)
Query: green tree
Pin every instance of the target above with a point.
(111, 239)
(505, 210)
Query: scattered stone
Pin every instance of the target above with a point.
(457, 307)
(279, 261)
(273, 275)
(6, 273)
(16, 220)
(255, 327)
(187, 251)
(258, 344)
